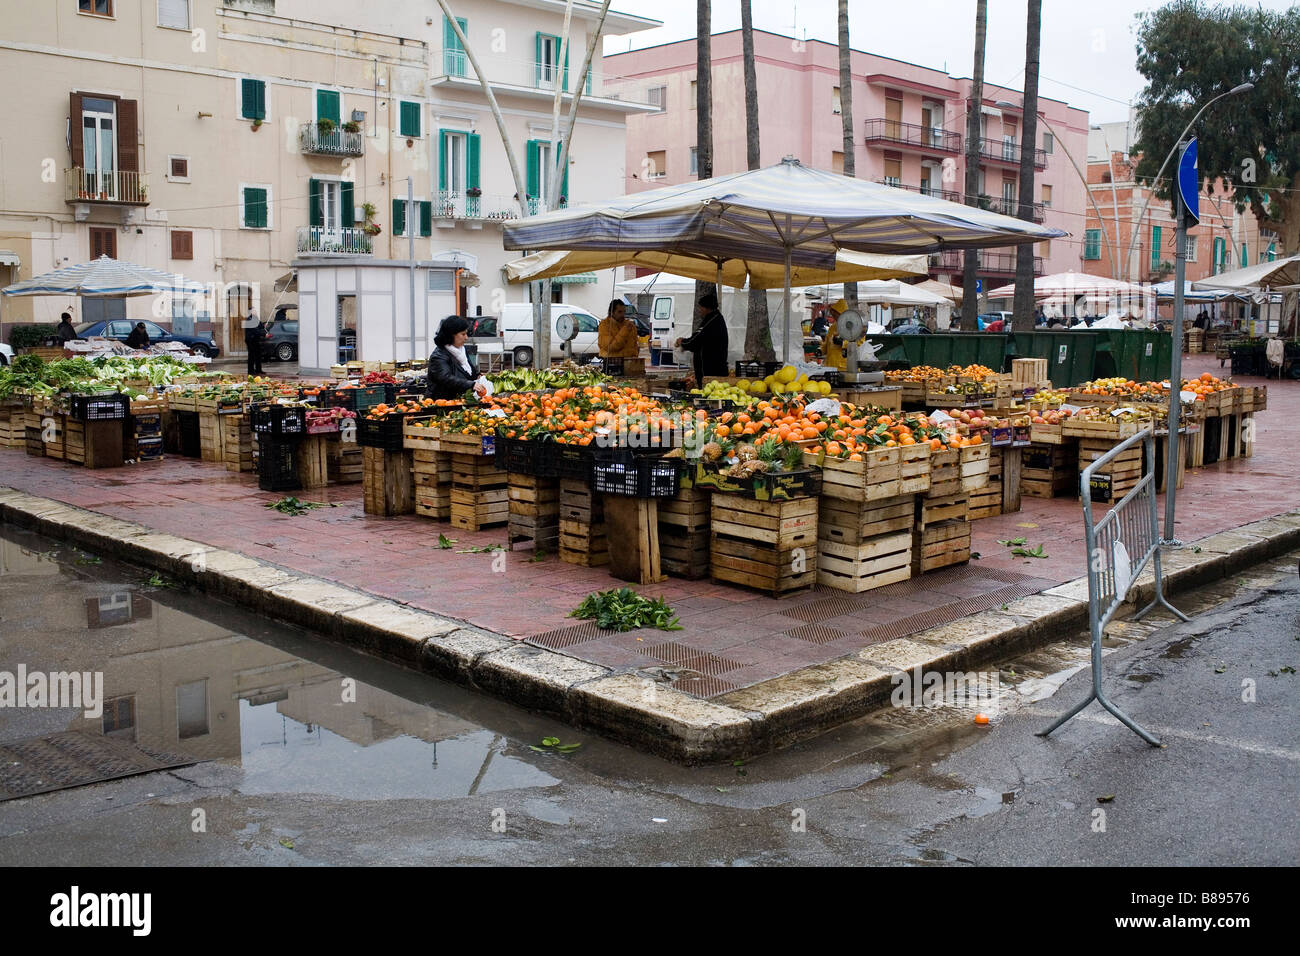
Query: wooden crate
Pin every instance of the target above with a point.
(237, 443)
(583, 543)
(74, 442)
(431, 473)
(534, 512)
(633, 532)
(940, 545)
(13, 427)
(883, 473)
(1124, 474)
(684, 534)
(889, 397)
(767, 545)
(480, 494)
(1027, 373)
(945, 473)
(974, 464)
(52, 435)
(471, 446)
(1105, 428)
(579, 503)
(475, 472)
(343, 459)
(1049, 470)
(313, 464)
(986, 502)
(387, 488)
(853, 522)
(210, 436)
(423, 436)
(872, 563)
(1261, 398)
(933, 510)
(1162, 464)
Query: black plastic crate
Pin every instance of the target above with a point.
(756, 369)
(561, 460)
(280, 421)
(98, 408)
(615, 478)
(517, 455)
(384, 433)
(277, 466)
(641, 477)
(148, 449)
(190, 445)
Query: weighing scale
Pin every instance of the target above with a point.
(851, 326)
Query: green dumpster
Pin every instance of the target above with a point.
(1071, 356)
(944, 349)
(1144, 356)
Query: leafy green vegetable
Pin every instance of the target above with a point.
(293, 507)
(445, 542)
(622, 609)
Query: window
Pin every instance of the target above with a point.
(100, 8)
(409, 125)
(95, 145)
(119, 717)
(547, 63)
(458, 162)
(454, 60)
(178, 169)
(835, 100)
(255, 207)
(1049, 143)
(252, 99)
(657, 96)
(421, 208)
(1271, 254)
(182, 244)
(695, 161)
(329, 106)
(1047, 197)
(192, 709)
(1045, 248)
(1220, 255)
(1245, 255)
(893, 171)
(1092, 244)
(656, 164)
(174, 14)
(329, 205)
(541, 167)
(1189, 248)
(837, 162)
(694, 93)
(103, 242)
(1156, 249)
(442, 280)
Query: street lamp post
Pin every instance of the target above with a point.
(1128, 256)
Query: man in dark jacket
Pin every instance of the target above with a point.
(139, 337)
(710, 343)
(254, 333)
(66, 332)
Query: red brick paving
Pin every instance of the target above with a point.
(399, 558)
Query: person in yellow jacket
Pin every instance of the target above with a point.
(616, 336)
(834, 344)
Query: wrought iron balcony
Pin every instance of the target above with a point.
(952, 260)
(334, 240)
(1011, 207)
(337, 142)
(948, 194)
(1009, 152)
(113, 187)
(927, 139)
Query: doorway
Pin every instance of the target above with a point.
(239, 305)
(346, 329)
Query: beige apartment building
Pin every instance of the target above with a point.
(234, 140)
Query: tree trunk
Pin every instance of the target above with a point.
(1022, 316)
(846, 119)
(970, 265)
(703, 124)
(758, 328)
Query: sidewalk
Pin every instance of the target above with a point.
(732, 638)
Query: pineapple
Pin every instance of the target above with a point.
(712, 451)
(746, 452)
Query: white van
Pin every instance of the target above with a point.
(515, 328)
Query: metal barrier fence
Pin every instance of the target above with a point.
(1119, 547)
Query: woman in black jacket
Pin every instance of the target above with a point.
(450, 373)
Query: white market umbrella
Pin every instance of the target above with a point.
(1067, 286)
(952, 293)
(1281, 275)
(897, 293)
(104, 277)
(787, 213)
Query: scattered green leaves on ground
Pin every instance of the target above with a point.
(293, 507)
(157, 580)
(1019, 550)
(538, 555)
(1107, 798)
(552, 745)
(445, 542)
(286, 843)
(622, 609)
(88, 559)
(485, 549)
(1011, 542)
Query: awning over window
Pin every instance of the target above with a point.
(580, 278)
(8, 258)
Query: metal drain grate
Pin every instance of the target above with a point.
(825, 609)
(947, 613)
(816, 633)
(704, 686)
(563, 637)
(74, 759)
(690, 658)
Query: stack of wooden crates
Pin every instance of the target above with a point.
(583, 538)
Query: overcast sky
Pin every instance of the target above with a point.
(1088, 47)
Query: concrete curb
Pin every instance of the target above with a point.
(627, 706)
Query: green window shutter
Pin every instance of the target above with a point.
(1092, 244)
(346, 212)
(315, 216)
(472, 161)
(252, 99)
(453, 53)
(410, 122)
(537, 59)
(587, 88)
(534, 161)
(564, 181)
(426, 218)
(1245, 256)
(565, 80)
(442, 160)
(399, 217)
(254, 208)
(1218, 254)
(327, 105)
(1156, 248)
(1272, 252)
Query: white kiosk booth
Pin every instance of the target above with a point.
(361, 309)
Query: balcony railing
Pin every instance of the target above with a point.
(1009, 152)
(925, 138)
(340, 240)
(948, 194)
(454, 62)
(115, 186)
(951, 260)
(337, 142)
(451, 205)
(1011, 207)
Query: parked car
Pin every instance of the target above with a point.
(988, 317)
(281, 340)
(6, 354)
(121, 328)
(482, 326)
(515, 329)
(911, 328)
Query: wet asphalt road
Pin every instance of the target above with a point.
(413, 771)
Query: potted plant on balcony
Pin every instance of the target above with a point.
(257, 123)
(352, 126)
(474, 192)
(325, 126)
(368, 224)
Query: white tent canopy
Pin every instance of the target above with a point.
(1068, 286)
(105, 277)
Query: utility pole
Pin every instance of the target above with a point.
(410, 254)
(1181, 216)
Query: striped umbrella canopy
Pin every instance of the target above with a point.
(1067, 286)
(786, 213)
(104, 277)
(736, 273)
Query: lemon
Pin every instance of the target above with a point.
(787, 375)
(743, 383)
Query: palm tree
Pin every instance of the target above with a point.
(758, 329)
(846, 117)
(970, 265)
(703, 120)
(1022, 316)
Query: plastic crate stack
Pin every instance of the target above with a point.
(279, 429)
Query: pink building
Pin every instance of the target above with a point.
(911, 132)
